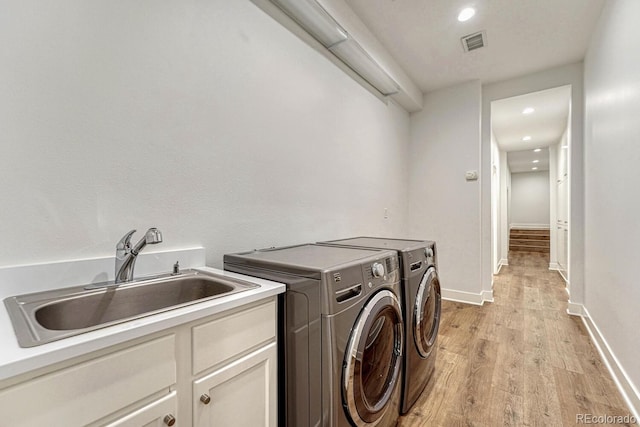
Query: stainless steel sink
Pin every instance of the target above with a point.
(43, 317)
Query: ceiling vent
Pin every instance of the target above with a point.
(474, 41)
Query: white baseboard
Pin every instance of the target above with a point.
(487, 296)
(530, 226)
(629, 392)
(563, 276)
(556, 267)
(467, 297)
(501, 263)
(575, 309)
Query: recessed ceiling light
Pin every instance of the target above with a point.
(466, 14)
(526, 138)
(536, 161)
(534, 169)
(537, 150)
(528, 110)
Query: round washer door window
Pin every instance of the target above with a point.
(427, 313)
(373, 359)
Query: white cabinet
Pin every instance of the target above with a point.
(229, 336)
(242, 393)
(160, 413)
(230, 356)
(84, 393)
(239, 351)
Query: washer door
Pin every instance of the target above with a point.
(427, 313)
(373, 359)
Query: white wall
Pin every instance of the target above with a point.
(530, 199)
(208, 120)
(560, 76)
(612, 199)
(443, 206)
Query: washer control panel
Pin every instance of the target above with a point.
(381, 272)
(350, 283)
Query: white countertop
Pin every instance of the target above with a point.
(15, 360)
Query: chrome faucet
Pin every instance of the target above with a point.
(126, 255)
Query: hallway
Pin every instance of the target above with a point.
(518, 361)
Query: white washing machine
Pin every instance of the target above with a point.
(340, 332)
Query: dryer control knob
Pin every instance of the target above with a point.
(377, 269)
(428, 252)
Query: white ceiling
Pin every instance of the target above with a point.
(523, 36)
(545, 126)
(522, 161)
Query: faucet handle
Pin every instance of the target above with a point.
(124, 244)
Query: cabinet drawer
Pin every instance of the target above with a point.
(151, 415)
(232, 335)
(91, 390)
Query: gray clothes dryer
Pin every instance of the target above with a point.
(340, 332)
(421, 308)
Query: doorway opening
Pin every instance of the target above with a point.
(530, 179)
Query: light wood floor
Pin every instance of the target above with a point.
(520, 361)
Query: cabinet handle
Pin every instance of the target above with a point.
(205, 398)
(169, 420)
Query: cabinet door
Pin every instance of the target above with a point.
(240, 394)
(160, 413)
(89, 391)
